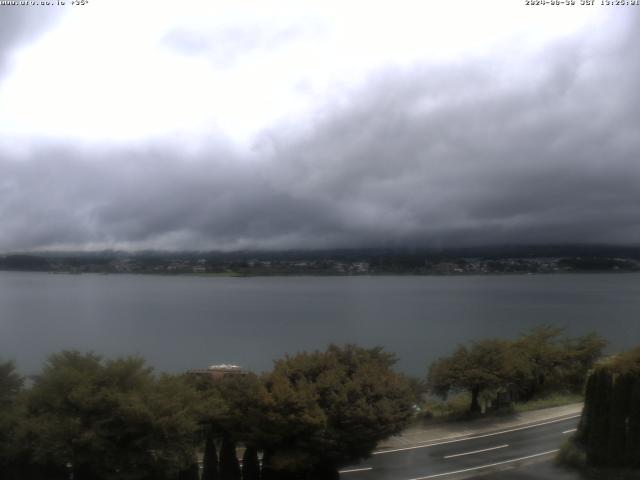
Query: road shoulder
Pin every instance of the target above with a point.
(443, 431)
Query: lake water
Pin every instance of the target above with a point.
(181, 322)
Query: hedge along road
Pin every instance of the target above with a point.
(467, 456)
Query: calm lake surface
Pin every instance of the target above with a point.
(185, 322)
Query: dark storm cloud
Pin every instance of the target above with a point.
(483, 152)
(153, 198)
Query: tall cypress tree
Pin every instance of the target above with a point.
(194, 471)
(597, 438)
(229, 465)
(586, 419)
(250, 464)
(618, 419)
(210, 460)
(609, 429)
(632, 448)
(267, 472)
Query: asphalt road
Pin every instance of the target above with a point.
(528, 449)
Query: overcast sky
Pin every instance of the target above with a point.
(298, 124)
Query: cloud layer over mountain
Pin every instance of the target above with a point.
(512, 143)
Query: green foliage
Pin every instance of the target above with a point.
(609, 429)
(11, 384)
(487, 365)
(572, 455)
(418, 387)
(321, 408)
(535, 364)
(109, 417)
(579, 356)
(106, 419)
(454, 407)
(627, 362)
(541, 349)
(230, 407)
(172, 425)
(556, 399)
(329, 408)
(241, 413)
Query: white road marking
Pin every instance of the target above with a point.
(569, 431)
(476, 436)
(485, 466)
(448, 437)
(353, 470)
(476, 451)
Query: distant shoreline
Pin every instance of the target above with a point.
(331, 263)
(321, 275)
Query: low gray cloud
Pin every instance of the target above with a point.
(472, 153)
(20, 24)
(224, 47)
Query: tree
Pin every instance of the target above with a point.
(487, 365)
(632, 448)
(250, 464)
(229, 465)
(619, 418)
(210, 460)
(579, 356)
(268, 471)
(327, 409)
(172, 425)
(543, 354)
(554, 362)
(609, 430)
(588, 411)
(229, 410)
(110, 418)
(595, 431)
(239, 416)
(10, 383)
(190, 473)
(627, 362)
(519, 369)
(10, 387)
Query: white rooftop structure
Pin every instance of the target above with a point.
(225, 366)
